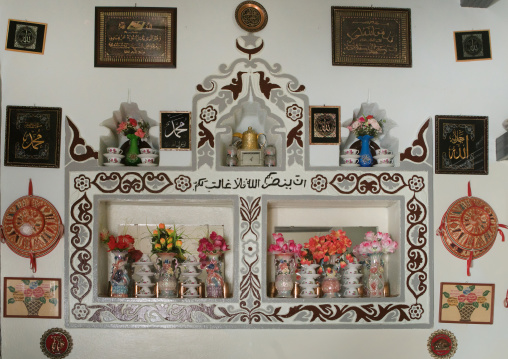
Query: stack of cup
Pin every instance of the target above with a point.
(231, 158)
(148, 157)
(384, 158)
(270, 159)
(144, 275)
(351, 280)
(350, 157)
(308, 283)
(114, 157)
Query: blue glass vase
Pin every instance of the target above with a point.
(366, 159)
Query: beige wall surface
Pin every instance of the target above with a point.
(298, 38)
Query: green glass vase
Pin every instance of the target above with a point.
(131, 157)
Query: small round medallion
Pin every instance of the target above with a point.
(442, 344)
(56, 343)
(251, 16)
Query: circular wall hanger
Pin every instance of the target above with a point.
(31, 227)
(251, 16)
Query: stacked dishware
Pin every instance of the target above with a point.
(231, 156)
(148, 157)
(114, 157)
(270, 159)
(351, 280)
(190, 273)
(350, 157)
(384, 158)
(144, 272)
(308, 283)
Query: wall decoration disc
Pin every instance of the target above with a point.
(56, 343)
(469, 228)
(31, 227)
(442, 344)
(251, 16)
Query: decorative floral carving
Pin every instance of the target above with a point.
(76, 142)
(183, 183)
(265, 85)
(127, 182)
(416, 311)
(295, 135)
(420, 144)
(416, 183)
(82, 183)
(208, 114)
(250, 213)
(205, 136)
(319, 183)
(294, 112)
(80, 311)
(250, 248)
(349, 183)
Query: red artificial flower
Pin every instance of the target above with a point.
(133, 122)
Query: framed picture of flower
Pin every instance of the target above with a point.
(466, 303)
(324, 125)
(32, 297)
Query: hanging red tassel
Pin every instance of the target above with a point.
(469, 189)
(469, 261)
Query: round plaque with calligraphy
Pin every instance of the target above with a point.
(442, 344)
(31, 227)
(251, 16)
(56, 343)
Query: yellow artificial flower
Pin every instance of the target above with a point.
(170, 245)
(161, 225)
(178, 243)
(170, 231)
(155, 232)
(157, 246)
(163, 241)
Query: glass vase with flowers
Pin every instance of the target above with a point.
(325, 250)
(365, 129)
(121, 248)
(374, 246)
(134, 130)
(211, 250)
(167, 244)
(285, 254)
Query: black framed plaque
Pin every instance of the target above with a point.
(472, 45)
(26, 36)
(462, 145)
(32, 136)
(324, 125)
(175, 131)
(135, 37)
(368, 36)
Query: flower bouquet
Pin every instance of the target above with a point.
(325, 249)
(210, 250)
(366, 125)
(167, 240)
(376, 243)
(133, 127)
(281, 246)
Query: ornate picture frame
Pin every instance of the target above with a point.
(37, 298)
(324, 125)
(368, 36)
(135, 37)
(472, 45)
(26, 36)
(466, 303)
(32, 136)
(175, 130)
(462, 145)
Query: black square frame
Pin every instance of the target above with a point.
(26, 36)
(472, 45)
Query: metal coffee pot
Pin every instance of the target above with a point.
(250, 139)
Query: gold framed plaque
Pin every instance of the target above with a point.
(135, 37)
(364, 36)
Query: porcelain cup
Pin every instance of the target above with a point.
(114, 150)
(350, 292)
(383, 151)
(384, 161)
(147, 150)
(144, 290)
(191, 292)
(114, 159)
(350, 280)
(350, 161)
(351, 151)
(147, 160)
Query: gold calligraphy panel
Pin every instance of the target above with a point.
(371, 37)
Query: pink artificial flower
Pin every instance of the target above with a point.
(122, 126)
(370, 236)
(213, 236)
(139, 133)
(361, 119)
(277, 236)
(356, 124)
(350, 128)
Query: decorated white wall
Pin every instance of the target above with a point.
(298, 38)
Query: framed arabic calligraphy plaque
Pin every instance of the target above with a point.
(324, 125)
(364, 36)
(135, 37)
(462, 145)
(175, 131)
(472, 45)
(32, 136)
